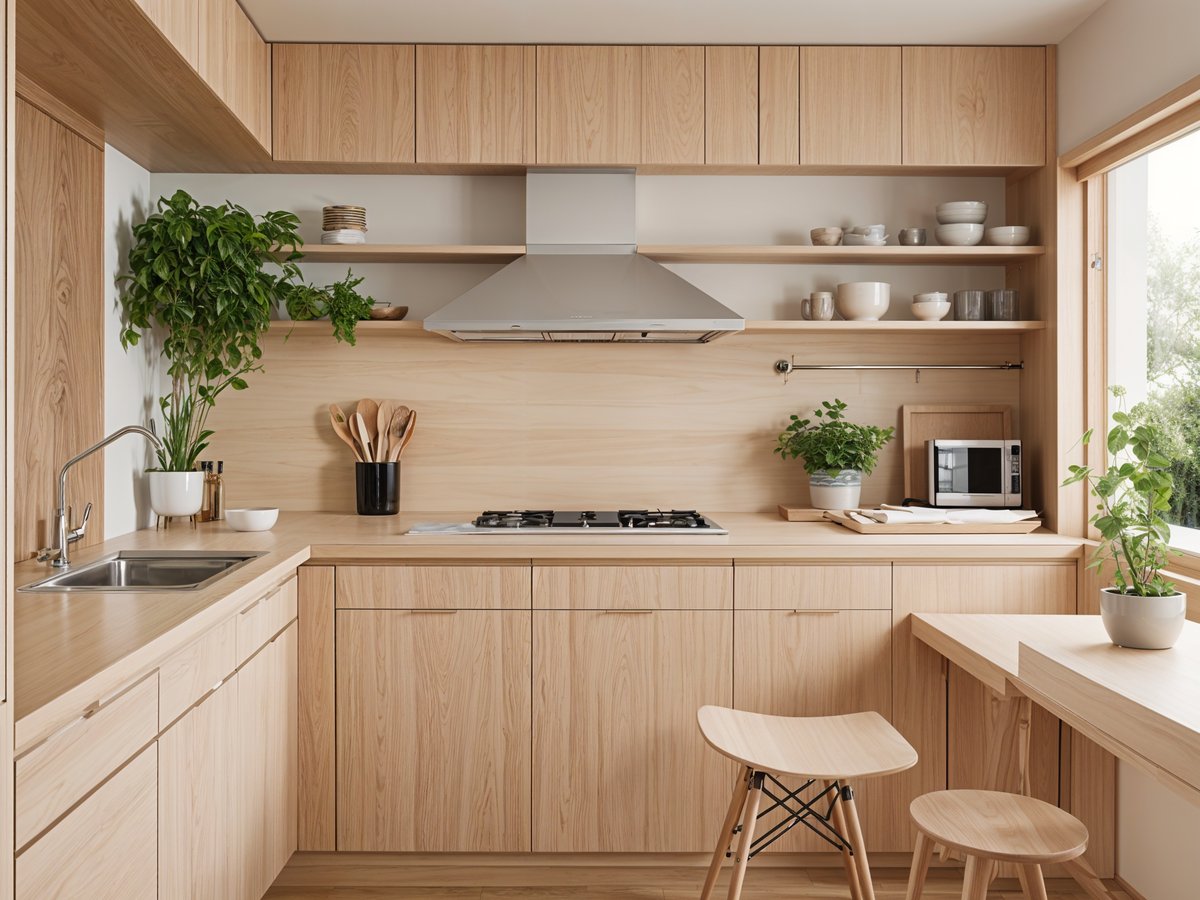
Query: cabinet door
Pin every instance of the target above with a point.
(105, 848)
(673, 105)
(433, 716)
(621, 764)
(922, 712)
(974, 106)
(179, 21)
(235, 62)
(474, 104)
(731, 106)
(814, 662)
(589, 105)
(198, 840)
(850, 106)
(778, 106)
(344, 103)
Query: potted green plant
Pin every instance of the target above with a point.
(1141, 609)
(340, 302)
(199, 275)
(836, 453)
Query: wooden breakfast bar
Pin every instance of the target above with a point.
(1143, 706)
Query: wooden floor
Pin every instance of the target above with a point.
(388, 882)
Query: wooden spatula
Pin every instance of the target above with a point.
(358, 428)
(383, 422)
(341, 427)
(369, 410)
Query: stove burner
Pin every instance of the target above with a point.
(675, 518)
(605, 519)
(521, 518)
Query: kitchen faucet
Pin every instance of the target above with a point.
(58, 554)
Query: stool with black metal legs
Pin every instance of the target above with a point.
(826, 754)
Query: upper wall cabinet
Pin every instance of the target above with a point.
(344, 103)
(673, 105)
(236, 63)
(589, 105)
(731, 106)
(974, 106)
(778, 106)
(850, 106)
(179, 21)
(475, 104)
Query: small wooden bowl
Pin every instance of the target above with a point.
(392, 313)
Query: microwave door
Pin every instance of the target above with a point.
(969, 476)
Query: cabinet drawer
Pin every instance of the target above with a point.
(633, 587)
(432, 587)
(104, 850)
(58, 772)
(813, 587)
(265, 618)
(195, 670)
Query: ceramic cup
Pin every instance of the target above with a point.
(818, 307)
(913, 237)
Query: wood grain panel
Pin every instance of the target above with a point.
(820, 663)
(673, 105)
(850, 106)
(779, 106)
(7, 739)
(982, 106)
(344, 102)
(106, 848)
(633, 587)
(236, 63)
(813, 587)
(58, 383)
(623, 768)
(433, 722)
(731, 105)
(317, 764)
(472, 104)
(186, 676)
(179, 22)
(264, 618)
(589, 105)
(433, 587)
(925, 423)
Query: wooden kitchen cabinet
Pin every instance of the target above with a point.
(673, 105)
(778, 106)
(475, 104)
(975, 106)
(589, 105)
(179, 21)
(731, 106)
(344, 103)
(433, 740)
(850, 106)
(943, 715)
(621, 765)
(433, 587)
(633, 587)
(235, 62)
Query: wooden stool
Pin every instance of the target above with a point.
(831, 751)
(990, 827)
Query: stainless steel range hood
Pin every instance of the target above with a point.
(581, 279)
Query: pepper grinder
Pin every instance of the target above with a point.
(218, 491)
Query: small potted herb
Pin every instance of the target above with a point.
(340, 302)
(1141, 609)
(836, 453)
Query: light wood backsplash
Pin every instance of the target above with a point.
(577, 426)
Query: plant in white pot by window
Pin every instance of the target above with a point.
(1142, 609)
(836, 453)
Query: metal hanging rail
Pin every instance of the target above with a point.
(786, 367)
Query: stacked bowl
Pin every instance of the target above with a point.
(960, 223)
(344, 225)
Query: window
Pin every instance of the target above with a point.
(1153, 296)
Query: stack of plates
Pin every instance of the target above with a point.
(344, 225)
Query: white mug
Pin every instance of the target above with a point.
(819, 306)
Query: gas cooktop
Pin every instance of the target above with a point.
(621, 521)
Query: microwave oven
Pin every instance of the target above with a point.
(974, 473)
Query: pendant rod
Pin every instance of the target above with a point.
(784, 367)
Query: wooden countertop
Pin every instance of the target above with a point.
(74, 647)
(1141, 705)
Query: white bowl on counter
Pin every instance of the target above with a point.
(962, 234)
(252, 518)
(962, 212)
(863, 301)
(1008, 236)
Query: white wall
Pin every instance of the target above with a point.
(131, 380)
(1126, 54)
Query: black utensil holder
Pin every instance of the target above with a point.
(378, 487)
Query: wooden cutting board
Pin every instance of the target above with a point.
(957, 423)
(934, 527)
(800, 514)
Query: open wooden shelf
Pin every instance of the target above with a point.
(412, 253)
(760, 326)
(804, 255)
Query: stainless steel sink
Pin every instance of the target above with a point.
(134, 570)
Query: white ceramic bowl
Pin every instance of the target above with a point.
(864, 240)
(931, 297)
(957, 212)
(1008, 236)
(253, 518)
(875, 231)
(961, 234)
(931, 311)
(863, 301)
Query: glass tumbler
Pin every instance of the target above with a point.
(1002, 306)
(968, 306)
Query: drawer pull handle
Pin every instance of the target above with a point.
(630, 612)
(252, 606)
(436, 612)
(815, 612)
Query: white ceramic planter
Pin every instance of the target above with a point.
(176, 493)
(1143, 623)
(835, 491)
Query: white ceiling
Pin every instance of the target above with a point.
(671, 21)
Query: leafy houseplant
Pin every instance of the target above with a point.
(1142, 609)
(835, 451)
(340, 301)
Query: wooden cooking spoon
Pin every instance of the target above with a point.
(395, 431)
(409, 428)
(383, 422)
(368, 409)
(358, 428)
(341, 427)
